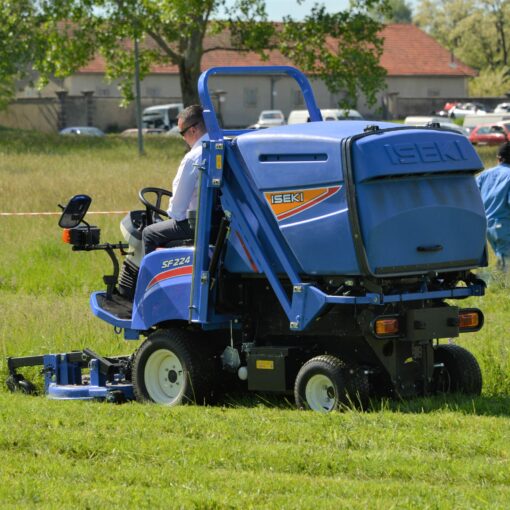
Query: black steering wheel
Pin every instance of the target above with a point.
(154, 209)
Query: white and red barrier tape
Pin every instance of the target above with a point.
(56, 213)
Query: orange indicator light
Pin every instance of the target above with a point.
(386, 327)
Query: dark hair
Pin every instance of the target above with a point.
(192, 115)
(504, 152)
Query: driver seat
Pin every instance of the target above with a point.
(191, 216)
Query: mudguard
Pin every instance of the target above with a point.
(163, 288)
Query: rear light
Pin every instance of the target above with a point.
(66, 235)
(386, 326)
(470, 319)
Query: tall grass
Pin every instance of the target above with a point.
(44, 286)
(426, 453)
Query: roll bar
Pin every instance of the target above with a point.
(210, 117)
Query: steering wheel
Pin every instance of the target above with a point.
(154, 209)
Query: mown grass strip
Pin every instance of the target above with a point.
(249, 457)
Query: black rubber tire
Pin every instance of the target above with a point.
(346, 386)
(18, 383)
(461, 372)
(184, 386)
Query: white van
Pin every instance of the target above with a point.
(301, 116)
(163, 116)
(471, 121)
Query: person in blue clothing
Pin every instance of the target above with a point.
(494, 185)
(191, 126)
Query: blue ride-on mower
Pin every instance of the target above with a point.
(327, 261)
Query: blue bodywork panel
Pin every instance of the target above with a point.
(163, 288)
(415, 195)
(162, 292)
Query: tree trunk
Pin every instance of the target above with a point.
(189, 72)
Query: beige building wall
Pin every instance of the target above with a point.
(160, 85)
(243, 98)
(428, 86)
(37, 114)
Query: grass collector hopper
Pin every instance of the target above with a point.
(325, 262)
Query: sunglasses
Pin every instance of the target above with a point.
(183, 132)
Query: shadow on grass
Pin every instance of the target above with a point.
(458, 403)
(465, 404)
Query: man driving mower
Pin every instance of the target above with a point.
(191, 126)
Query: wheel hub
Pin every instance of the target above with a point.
(164, 377)
(320, 393)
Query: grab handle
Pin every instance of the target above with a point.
(430, 249)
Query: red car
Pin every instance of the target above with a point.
(490, 134)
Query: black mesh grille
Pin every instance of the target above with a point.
(127, 279)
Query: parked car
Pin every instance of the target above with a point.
(471, 121)
(502, 108)
(81, 131)
(490, 134)
(163, 116)
(460, 110)
(145, 131)
(301, 116)
(423, 120)
(269, 118)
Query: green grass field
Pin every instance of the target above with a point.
(247, 453)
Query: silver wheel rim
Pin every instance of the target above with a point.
(320, 393)
(164, 377)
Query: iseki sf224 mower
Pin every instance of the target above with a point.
(325, 261)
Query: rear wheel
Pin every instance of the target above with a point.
(169, 369)
(460, 372)
(325, 383)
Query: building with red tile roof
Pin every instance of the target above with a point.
(421, 74)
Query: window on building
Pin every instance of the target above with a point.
(250, 97)
(297, 98)
(433, 92)
(103, 91)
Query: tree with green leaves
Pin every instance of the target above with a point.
(476, 31)
(395, 11)
(342, 48)
(17, 26)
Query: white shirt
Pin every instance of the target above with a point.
(185, 184)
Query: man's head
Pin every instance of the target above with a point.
(190, 123)
(504, 153)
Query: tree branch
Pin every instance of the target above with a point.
(175, 57)
(230, 48)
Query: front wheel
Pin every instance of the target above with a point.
(167, 370)
(458, 370)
